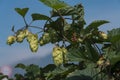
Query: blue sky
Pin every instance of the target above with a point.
(94, 10)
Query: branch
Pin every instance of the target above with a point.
(36, 27)
(25, 22)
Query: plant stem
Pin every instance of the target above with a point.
(25, 22)
(36, 27)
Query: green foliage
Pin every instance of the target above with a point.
(33, 72)
(76, 55)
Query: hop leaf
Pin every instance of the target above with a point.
(22, 11)
(55, 4)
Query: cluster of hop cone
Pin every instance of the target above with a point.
(21, 35)
(59, 53)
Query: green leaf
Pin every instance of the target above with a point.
(20, 65)
(95, 24)
(37, 16)
(113, 55)
(3, 76)
(80, 77)
(83, 53)
(115, 59)
(77, 12)
(76, 54)
(63, 11)
(22, 11)
(114, 38)
(55, 4)
(85, 74)
(18, 76)
(59, 73)
(49, 67)
(114, 35)
(32, 68)
(93, 55)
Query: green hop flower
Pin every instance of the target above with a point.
(11, 40)
(33, 47)
(33, 41)
(57, 54)
(20, 36)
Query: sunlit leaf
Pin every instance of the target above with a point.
(55, 4)
(63, 11)
(77, 12)
(114, 35)
(95, 24)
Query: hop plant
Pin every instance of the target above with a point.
(11, 40)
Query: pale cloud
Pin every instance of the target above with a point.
(14, 54)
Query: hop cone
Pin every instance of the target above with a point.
(33, 41)
(11, 40)
(59, 55)
(21, 34)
